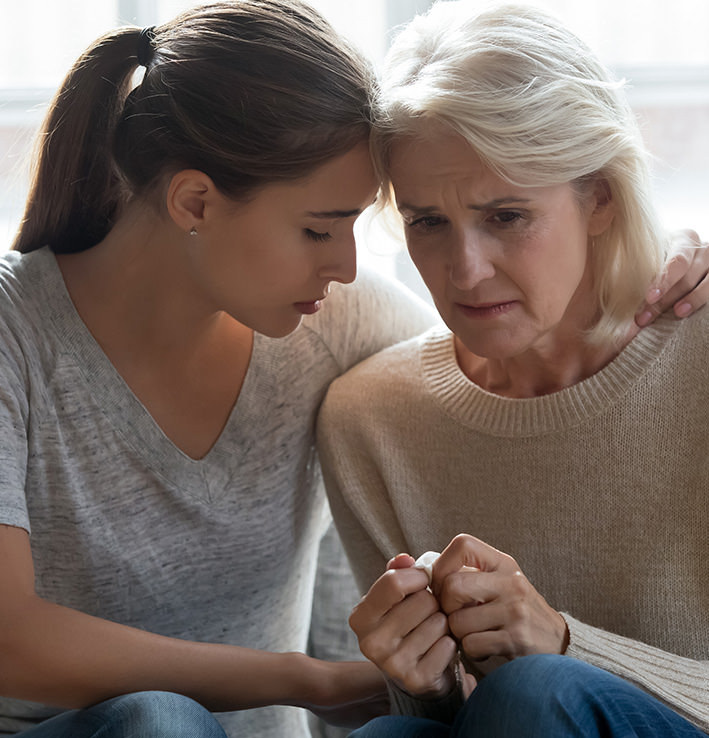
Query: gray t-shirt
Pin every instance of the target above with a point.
(125, 526)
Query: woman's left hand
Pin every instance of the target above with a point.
(492, 608)
(684, 282)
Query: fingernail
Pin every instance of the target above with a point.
(653, 295)
(683, 309)
(644, 318)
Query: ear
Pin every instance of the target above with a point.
(187, 195)
(602, 208)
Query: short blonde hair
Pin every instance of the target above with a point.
(539, 109)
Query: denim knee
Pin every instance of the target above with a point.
(154, 714)
(157, 714)
(549, 695)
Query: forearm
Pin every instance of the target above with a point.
(679, 682)
(55, 655)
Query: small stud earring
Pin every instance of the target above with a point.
(193, 231)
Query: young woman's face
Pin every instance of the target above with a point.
(269, 261)
(506, 265)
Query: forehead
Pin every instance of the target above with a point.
(439, 168)
(434, 159)
(345, 183)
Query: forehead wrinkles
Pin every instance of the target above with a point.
(435, 176)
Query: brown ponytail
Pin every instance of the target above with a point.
(73, 192)
(247, 91)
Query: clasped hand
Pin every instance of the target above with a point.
(478, 602)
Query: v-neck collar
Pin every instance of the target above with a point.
(206, 477)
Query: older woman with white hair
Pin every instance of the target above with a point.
(541, 422)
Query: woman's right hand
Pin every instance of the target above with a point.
(402, 630)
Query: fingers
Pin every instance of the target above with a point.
(402, 630)
(391, 589)
(501, 614)
(421, 663)
(684, 282)
(492, 608)
(467, 551)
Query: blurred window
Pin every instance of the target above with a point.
(659, 47)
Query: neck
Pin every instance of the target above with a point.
(135, 287)
(559, 364)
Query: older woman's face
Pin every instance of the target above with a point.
(507, 266)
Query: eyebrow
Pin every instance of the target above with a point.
(498, 202)
(331, 214)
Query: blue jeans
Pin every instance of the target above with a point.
(546, 697)
(139, 715)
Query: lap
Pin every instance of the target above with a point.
(155, 714)
(541, 696)
(558, 695)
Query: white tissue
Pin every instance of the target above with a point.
(425, 563)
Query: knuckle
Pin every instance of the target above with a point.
(681, 259)
(391, 580)
(400, 668)
(518, 610)
(372, 648)
(462, 538)
(438, 621)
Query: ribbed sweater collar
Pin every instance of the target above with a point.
(502, 416)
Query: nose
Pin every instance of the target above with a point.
(470, 261)
(340, 260)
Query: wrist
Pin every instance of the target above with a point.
(338, 682)
(305, 680)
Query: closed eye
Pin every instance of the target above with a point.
(316, 236)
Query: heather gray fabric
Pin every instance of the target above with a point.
(125, 526)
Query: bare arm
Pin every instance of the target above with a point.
(59, 656)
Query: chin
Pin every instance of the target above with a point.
(278, 331)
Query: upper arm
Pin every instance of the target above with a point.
(374, 313)
(16, 568)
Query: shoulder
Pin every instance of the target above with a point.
(689, 341)
(698, 326)
(17, 301)
(21, 279)
(28, 295)
(382, 384)
(374, 312)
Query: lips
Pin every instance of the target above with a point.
(310, 307)
(486, 310)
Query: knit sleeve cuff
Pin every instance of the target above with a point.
(443, 709)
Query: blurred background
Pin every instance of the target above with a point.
(661, 48)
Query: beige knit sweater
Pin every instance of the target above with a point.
(600, 492)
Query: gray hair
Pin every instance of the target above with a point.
(539, 109)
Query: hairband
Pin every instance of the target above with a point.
(146, 51)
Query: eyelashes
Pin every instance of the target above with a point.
(317, 237)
